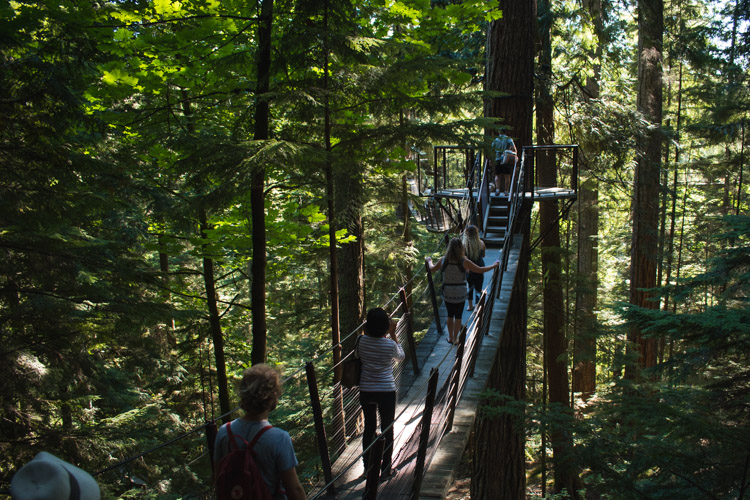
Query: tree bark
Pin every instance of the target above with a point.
(331, 201)
(217, 335)
(257, 187)
(498, 465)
(351, 256)
(644, 250)
(584, 353)
(555, 343)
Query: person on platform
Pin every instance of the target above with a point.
(506, 156)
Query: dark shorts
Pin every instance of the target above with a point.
(455, 309)
(475, 282)
(503, 169)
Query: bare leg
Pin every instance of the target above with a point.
(450, 329)
(456, 329)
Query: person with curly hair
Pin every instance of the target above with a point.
(260, 389)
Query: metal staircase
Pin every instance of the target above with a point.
(496, 221)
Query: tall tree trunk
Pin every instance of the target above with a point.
(584, 355)
(338, 425)
(331, 201)
(406, 213)
(646, 184)
(555, 343)
(741, 167)
(257, 187)
(217, 335)
(498, 465)
(351, 256)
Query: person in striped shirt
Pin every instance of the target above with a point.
(377, 349)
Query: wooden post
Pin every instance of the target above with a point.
(320, 430)
(436, 187)
(453, 398)
(424, 435)
(211, 438)
(435, 306)
(409, 331)
(373, 472)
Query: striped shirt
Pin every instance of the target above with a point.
(377, 355)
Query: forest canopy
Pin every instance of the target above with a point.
(173, 175)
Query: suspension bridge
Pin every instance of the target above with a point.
(439, 383)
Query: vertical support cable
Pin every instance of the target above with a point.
(409, 332)
(320, 430)
(424, 435)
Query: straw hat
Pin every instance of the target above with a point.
(46, 477)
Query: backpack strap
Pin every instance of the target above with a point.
(232, 444)
(356, 346)
(257, 436)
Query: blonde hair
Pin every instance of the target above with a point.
(455, 252)
(260, 388)
(472, 243)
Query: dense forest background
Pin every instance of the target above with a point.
(173, 174)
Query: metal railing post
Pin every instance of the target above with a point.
(409, 331)
(433, 296)
(320, 430)
(424, 435)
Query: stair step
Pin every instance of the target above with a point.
(494, 242)
(495, 232)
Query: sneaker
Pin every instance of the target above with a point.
(385, 475)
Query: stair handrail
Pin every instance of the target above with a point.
(484, 195)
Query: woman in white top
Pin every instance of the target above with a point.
(377, 386)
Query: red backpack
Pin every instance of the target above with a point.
(238, 476)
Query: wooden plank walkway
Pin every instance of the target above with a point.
(433, 351)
